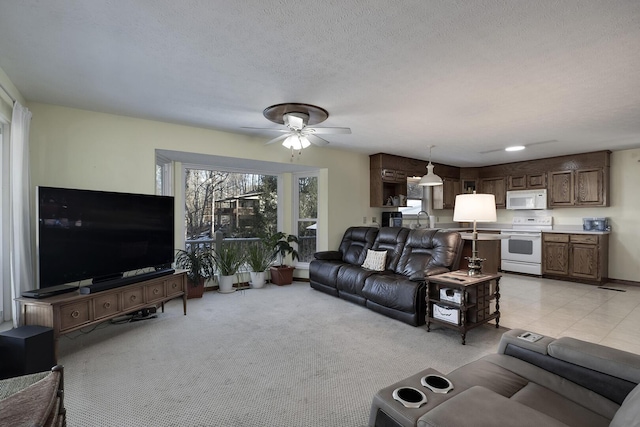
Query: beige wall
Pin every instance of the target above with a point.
(84, 149)
(78, 148)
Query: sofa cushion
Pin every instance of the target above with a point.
(428, 252)
(480, 407)
(324, 272)
(351, 278)
(375, 260)
(609, 360)
(392, 240)
(355, 242)
(392, 290)
(629, 413)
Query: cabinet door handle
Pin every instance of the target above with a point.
(156, 291)
(75, 314)
(107, 304)
(174, 285)
(133, 298)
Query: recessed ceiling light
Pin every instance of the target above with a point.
(515, 148)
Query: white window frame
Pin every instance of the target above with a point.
(296, 210)
(5, 278)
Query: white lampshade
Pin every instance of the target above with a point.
(296, 142)
(430, 179)
(475, 207)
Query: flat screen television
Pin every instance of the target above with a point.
(99, 235)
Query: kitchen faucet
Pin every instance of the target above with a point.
(418, 225)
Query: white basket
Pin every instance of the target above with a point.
(446, 314)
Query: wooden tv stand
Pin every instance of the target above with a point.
(72, 311)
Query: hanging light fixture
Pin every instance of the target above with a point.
(430, 179)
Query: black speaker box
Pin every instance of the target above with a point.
(26, 350)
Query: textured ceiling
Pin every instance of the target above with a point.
(470, 77)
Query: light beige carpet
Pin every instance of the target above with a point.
(277, 356)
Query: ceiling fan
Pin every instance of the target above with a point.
(297, 118)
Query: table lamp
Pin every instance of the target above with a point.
(477, 208)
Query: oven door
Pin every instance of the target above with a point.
(522, 246)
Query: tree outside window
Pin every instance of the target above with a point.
(307, 216)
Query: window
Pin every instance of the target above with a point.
(415, 194)
(240, 205)
(306, 215)
(5, 289)
(163, 176)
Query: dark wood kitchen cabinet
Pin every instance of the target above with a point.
(580, 257)
(531, 181)
(444, 196)
(497, 187)
(578, 188)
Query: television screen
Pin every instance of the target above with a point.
(84, 234)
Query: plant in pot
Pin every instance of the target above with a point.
(259, 259)
(280, 243)
(198, 262)
(228, 261)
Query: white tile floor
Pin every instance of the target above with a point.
(558, 308)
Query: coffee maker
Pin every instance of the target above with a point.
(392, 219)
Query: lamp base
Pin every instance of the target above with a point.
(475, 265)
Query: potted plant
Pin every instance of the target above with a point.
(259, 259)
(228, 261)
(198, 261)
(280, 244)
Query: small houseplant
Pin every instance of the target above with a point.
(259, 259)
(198, 261)
(280, 244)
(228, 261)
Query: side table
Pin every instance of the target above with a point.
(476, 293)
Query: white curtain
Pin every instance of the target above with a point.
(20, 254)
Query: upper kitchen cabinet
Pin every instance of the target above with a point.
(497, 187)
(444, 196)
(388, 179)
(531, 181)
(579, 187)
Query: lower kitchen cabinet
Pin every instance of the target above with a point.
(580, 257)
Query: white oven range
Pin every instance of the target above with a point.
(522, 251)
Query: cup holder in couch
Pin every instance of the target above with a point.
(410, 397)
(436, 383)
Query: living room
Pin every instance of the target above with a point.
(113, 148)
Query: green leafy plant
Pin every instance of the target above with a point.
(228, 259)
(280, 244)
(198, 262)
(259, 257)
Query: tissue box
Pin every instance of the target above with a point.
(447, 314)
(451, 295)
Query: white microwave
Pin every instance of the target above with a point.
(527, 199)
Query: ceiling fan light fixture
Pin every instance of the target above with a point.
(430, 179)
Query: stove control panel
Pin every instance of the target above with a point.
(537, 221)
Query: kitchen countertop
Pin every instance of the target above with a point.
(568, 229)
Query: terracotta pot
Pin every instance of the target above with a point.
(195, 290)
(282, 275)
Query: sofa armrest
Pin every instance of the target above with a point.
(511, 338)
(608, 360)
(328, 255)
(479, 406)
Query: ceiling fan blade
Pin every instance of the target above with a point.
(277, 139)
(269, 129)
(321, 131)
(316, 140)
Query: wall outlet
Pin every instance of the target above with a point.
(374, 220)
(364, 219)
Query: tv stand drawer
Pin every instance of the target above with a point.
(74, 314)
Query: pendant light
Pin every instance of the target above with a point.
(430, 179)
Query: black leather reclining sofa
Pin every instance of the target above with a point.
(399, 290)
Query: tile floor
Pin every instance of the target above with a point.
(558, 308)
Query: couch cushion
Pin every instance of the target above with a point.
(609, 360)
(629, 413)
(393, 291)
(351, 279)
(480, 407)
(324, 272)
(392, 240)
(355, 242)
(427, 252)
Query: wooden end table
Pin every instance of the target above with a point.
(476, 294)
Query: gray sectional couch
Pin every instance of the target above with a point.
(399, 290)
(550, 382)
